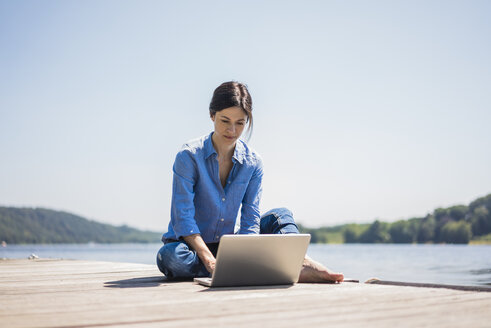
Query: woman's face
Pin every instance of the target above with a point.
(229, 124)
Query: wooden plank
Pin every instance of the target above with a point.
(104, 294)
(425, 285)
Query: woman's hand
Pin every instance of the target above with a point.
(197, 243)
(209, 261)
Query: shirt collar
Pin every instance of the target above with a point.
(239, 151)
(209, 150)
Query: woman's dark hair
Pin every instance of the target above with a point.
(232, 94)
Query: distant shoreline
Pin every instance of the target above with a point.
(459, 224)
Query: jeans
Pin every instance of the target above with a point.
(177, 260)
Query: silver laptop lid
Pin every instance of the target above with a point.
(248, 260)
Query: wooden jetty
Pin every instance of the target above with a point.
(72, 293)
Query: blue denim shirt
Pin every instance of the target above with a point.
(199, 202)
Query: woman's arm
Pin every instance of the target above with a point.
(182, 207)
(249, 221)
(197, 243)
(182, 212)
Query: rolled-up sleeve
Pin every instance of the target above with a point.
(250, 216)
(182, 208)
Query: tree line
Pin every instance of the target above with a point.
(43, 226)
(456, 225)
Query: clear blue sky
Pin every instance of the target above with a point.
(363, 109)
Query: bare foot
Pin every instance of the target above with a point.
(313, 271)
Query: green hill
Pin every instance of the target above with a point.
(43, 226)
(458, 224)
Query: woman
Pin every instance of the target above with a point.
(213, 176)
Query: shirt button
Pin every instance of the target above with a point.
(221, 219)
(223, 199)
(229, 182)
(216, 237)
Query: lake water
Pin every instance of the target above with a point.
(443, 264)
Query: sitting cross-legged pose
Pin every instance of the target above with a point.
(214, 177)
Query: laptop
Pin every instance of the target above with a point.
(255, 260)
